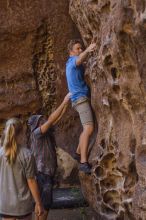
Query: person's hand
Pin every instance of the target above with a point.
(67, 98)
(39, 210)
(91, 47)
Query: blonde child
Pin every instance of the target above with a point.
(18, 186)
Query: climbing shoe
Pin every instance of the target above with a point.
(77, 157)
(85, 167)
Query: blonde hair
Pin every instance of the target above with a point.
(12, 130)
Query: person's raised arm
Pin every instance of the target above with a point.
(62, 113)
(84, 54)
(56, 115)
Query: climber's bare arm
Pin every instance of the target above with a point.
(62, 113)
(56, 115)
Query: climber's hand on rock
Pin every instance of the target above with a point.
(91, 47)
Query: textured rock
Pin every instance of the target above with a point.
(116, 72)
(67, 172)
(33, 40)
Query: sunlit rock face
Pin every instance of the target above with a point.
(67, 171)
(117, 75)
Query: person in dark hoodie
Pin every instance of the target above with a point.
(43, 147)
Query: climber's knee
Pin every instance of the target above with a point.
(88, 128)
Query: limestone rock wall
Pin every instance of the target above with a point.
(117, 75)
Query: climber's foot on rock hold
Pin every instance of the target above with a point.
(85, 167)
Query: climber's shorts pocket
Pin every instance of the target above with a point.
(85, 112)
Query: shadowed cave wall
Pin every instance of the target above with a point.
(33, 41)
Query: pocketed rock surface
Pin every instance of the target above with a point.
(117, 76)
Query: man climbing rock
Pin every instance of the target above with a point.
(80, 98)
(43, 147)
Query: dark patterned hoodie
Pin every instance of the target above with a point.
(43, 147)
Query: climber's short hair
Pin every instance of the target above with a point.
(72, 43)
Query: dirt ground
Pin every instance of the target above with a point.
(73, 214)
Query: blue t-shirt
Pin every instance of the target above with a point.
(75, 79)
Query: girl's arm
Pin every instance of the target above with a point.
(32, 184)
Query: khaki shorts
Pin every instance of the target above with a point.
(85, 112)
